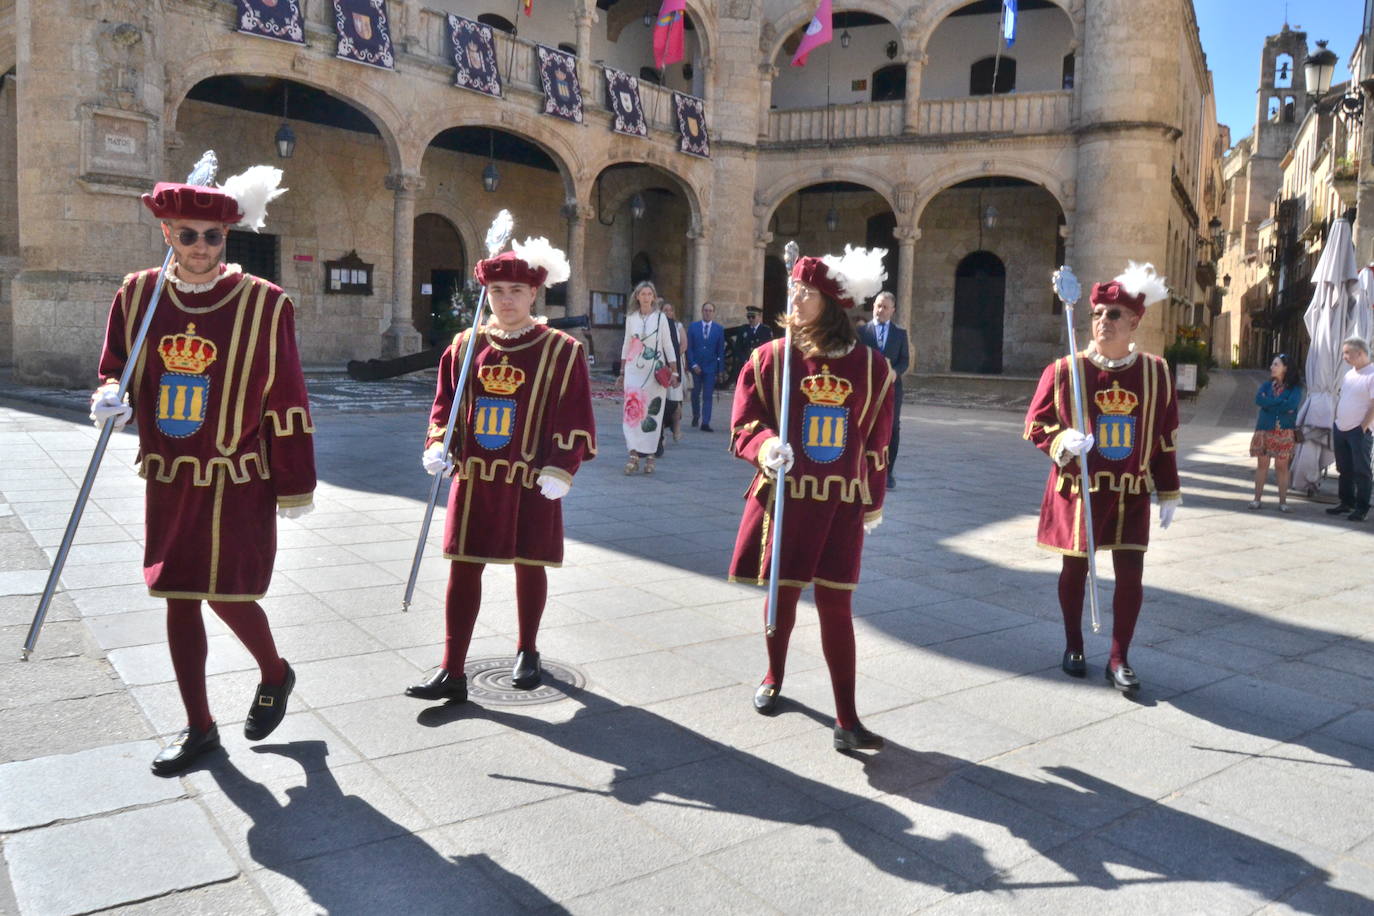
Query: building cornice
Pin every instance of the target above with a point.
(1113, 127)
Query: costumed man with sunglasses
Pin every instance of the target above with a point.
(225, 440)
(1130, 449)
(524, 427)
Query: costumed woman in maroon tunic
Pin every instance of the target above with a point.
(834, 462)
(1132, 411)
(524, 427)
(225, 440)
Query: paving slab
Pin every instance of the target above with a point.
(69, 786)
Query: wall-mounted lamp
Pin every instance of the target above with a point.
(990, 218)
(637, 206)
(648, 19)
(1319, 67)
(844, 39)
(491, 178)
(891, 49)
(286, 137)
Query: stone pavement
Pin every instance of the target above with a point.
(1240, 780)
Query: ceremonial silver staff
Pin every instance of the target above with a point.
(497, 236)
(1067, 289)
(202, 174)
(780, 479)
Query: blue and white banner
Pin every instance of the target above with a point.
(562, 91)
(622, 95)
(1009, 22)
(691, 123)
(279, 19)
(364, 35)
(474, 56)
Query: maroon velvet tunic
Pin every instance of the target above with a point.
(224, 430)
(1132, 413)
(839, 423)
(526, 411)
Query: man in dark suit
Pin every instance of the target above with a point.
(705, 357)
(883, 335)
(755, 333)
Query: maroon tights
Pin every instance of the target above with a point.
(837, 643)
(186, 640)
(464, 600)
(1126, 600)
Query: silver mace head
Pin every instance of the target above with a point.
(1066, 286)
(790, 253)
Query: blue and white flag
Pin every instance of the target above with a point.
(1009, 22)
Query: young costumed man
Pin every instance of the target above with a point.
(225, 440)
(1130, 448)
(524, 426)
(834, 463)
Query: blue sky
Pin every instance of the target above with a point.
(1233, 34)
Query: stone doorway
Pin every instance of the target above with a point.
(980, 286)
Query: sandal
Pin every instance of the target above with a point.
(632, 465)
(1254, 504)
(1283, 507)
(649, 465)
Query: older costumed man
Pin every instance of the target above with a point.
(225, 439)
(1132, 412)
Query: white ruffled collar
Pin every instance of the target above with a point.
(1102, 362)
(501, 334)
(183, 287)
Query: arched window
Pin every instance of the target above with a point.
(889, 83)
(1274, 109)
(500, 23)
(1068, 71)
(980, 76)
(567, 48)
(1283, 71)
(1289, 109)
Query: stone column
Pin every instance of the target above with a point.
(579, 302)
(410, 31)
(911, 112)
(583, 21)
(906, 266)
(706, 67)
(402, 338)
(700, 254)
(767, 73)
(761, 243)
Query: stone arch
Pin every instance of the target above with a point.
(469, 233)
(618, 196)
(769, 199)
(947, 177)
(937, 11)
(700, 12)
(800, 14)
(527, 127)
(270, 62)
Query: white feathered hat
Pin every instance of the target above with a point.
(533, 261)
(1136, 288)
(851, 278)
(242, 200)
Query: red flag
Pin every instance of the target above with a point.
(528, 5)
(818, 32)
(668, 33)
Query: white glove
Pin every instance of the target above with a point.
(553, 487)
(105, 403)
(775, 455)
(295, 511)
(1076, 443)
(870, 526)
(1167, 508)
(434, 460)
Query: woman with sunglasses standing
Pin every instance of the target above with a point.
(1278, 400)
(1132, 414)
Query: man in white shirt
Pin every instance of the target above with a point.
(1351, 437)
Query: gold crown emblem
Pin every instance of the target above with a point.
(187, 352)
(1115, 400)
(826, 388)
(501, 379)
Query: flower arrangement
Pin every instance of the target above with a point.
(455, 316)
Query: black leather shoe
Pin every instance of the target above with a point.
(766, 699)
(526, 674)
(441, 686)
(706, 429)
(1074, 664)
(1340, 510)
(860, 739)
(269, 707)
(892, 481)
(1122, 677)
(184, 749)
(1358, 515)
(696, 421)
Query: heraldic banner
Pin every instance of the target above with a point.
(562, 93)
(474, 56)
(622, 93)
(363, 33)
(279, 19)
(691, 123)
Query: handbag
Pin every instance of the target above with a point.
(1298, 436)
(664, 376)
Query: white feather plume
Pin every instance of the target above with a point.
(499, 233)
(254, 189)
(859, 272)
(537, 252)
(1141, 278)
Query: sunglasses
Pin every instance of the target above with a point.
(213, 237)
(1107, 315)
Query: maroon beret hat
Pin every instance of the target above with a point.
(507, 267)
(170, 200)
(1113, 293)
(813, 272)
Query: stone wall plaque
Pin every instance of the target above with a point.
(116, 146)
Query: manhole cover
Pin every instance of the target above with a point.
(489, 681)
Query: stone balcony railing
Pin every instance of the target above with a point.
(1018, 113)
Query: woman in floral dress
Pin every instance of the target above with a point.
(648, 368)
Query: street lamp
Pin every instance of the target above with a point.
(844, 38)
(491, 178)
(1319, 67)
(1218, 236)
(286, 137)
(990, 218)
(637, 206)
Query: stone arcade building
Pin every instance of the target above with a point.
(1096, 146)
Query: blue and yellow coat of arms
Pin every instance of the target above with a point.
(825, 421)
(493, 419)
(184, 390)
(1116, 427)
